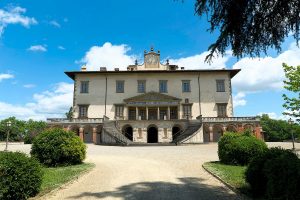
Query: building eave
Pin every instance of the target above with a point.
(232, 72)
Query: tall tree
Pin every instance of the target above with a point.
(69, 114)
(292, 84)
(250, 27)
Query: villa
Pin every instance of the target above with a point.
(154, 103)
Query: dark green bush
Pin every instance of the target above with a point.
(56, 146)
(239, 149)
(20, 176)
(275, 175)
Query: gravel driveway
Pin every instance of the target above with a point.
(151, 172)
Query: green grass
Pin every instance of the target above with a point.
(56, 177)
(232, 175)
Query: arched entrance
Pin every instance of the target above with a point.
(218, 132)
(206, 134)
(152, 134)
(175, 131)
(128, 132)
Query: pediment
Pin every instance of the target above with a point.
(152, 97)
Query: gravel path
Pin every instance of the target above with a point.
(152, 172)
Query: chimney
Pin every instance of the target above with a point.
(83, 68)
(102, 69)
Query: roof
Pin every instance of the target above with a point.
(151, 96)
(72, 74)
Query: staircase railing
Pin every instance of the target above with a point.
(111, 129)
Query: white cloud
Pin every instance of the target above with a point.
(29, 86)
(61, 47)
(15, 16)
(109, 56)
(41, 48)
(6, 76)
(198, 61)
(239, 99)
(55, 23)
(265, 73)
(50, 103)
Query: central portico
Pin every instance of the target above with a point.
(150, 106)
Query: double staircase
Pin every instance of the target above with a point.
(110, 128)
(189, 132)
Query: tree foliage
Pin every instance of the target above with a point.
(250, 27)
(20, 129)
(292, 84)
(278, 130)
(69, 114)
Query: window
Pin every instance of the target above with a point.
(173, 113)
(141, 87)
(83, 111)
(220, 85)
(120, 86)
(132, 114)
(186, 86)
(187, 111)
(222, 110)
(163, 86)
(84, 87)
(119, 110)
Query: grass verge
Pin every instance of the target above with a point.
(232, 175)
(55, 177)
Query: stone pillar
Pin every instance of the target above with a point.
(81, 133)
(240, 128)
(146, 113)
(158, 113)
(94, 135)
(125, 112)
(211, 134)
(178, 111)
(168, 113)
(136, 113)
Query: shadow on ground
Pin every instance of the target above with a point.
(188, 188)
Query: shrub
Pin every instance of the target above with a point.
(239, 149)
(275, 175)
(21, 176)
(58, 147)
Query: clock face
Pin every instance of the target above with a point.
(151, 59)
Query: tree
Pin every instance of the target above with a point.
(278, 130)
(69, 114)
(292, 84)
(33, 128)
(17, 129)
(250, 27)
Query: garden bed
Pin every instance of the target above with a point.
(56, 177)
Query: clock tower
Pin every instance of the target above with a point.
(152, 59)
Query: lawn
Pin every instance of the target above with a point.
(230, 174)
(56, 177)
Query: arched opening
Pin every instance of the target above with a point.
(152, 134)
(127, 130)
(218, 132)
(88, 134)
(231, 128)
(206, 136)
(249, 127)
(175, 131)
(75, 129)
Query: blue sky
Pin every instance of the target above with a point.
(39, 40)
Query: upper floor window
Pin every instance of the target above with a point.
(84, 87)
(186, 86)
(163, 86)
(119, 86)
(119, 110)
(83, 111)
(222, 107)
(220, 85)
(141, 87)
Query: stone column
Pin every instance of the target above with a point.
(81, 133)
(168, 113)
(94, 135)
(157, 113)
(178, 111)
(136, 113)
(146, 113)
(125, 113)
(211, 134)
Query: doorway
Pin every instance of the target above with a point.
(152, 134)
(128, 132)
